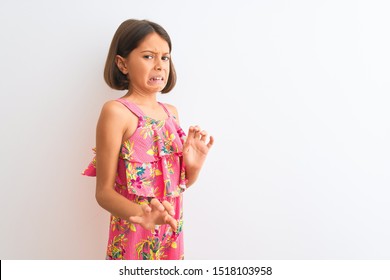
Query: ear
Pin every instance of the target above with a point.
(121, 63)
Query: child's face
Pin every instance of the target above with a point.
(147, 66)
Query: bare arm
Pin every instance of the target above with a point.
(109, 131)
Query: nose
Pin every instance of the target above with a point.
(158, 65)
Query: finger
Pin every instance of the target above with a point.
(146, 208)
(188, 140)
(203, 135)
(156, 204)
(191, 133)
(197, 133)
(142, 222)
(135, 219)
(171, 221)
(168, 207)
(196, 130)
(211, 142)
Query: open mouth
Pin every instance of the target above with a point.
(156, 78)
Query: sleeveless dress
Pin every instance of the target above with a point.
(150, 164)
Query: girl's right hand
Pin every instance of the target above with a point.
(155, 213)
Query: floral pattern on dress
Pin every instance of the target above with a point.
(154, 247)
(159, 155)
(158, 244)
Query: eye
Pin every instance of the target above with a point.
(148, 56)
(166, 58)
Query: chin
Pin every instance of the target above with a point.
(157, 89)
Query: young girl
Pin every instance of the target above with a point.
(143, 161)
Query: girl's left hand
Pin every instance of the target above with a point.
(195, 148)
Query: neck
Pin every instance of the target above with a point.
(141, 98)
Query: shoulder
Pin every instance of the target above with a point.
(116, 120)
(172, 109)
(112, 106)
(113, 111)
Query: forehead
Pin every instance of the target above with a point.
(154, 42)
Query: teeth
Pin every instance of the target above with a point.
(156, 78)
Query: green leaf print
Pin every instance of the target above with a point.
(145, 256)
(155, 245)
(140, 170)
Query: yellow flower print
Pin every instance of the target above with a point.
(168, 166)
(131, 171)
(151, 249)
(116, 249)
(153, 151)
(154, 171)
(169, 138)
(119, 224)
(127, 150)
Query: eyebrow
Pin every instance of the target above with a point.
(154, 52)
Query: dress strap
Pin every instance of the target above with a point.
(165, 109)
(132, 107)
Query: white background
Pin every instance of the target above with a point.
(296, 94)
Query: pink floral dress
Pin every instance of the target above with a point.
(150, 164)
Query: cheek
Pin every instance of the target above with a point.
(168, 69)
(139, 72)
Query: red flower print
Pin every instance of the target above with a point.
(181, 132)
(136, 183)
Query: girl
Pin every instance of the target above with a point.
(143, 161)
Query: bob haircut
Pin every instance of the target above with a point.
(127, 37)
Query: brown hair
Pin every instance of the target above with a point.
(127, 37)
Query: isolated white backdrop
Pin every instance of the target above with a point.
(296, 94)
